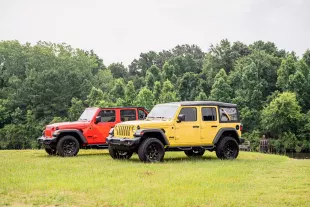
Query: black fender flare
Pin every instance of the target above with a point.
(226, 129)
(143, 132)
(78, 133)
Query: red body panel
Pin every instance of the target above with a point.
(95, 134)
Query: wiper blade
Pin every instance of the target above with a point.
(83, 120)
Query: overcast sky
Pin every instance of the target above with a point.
(119, 30)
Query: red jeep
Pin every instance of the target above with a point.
(90, 130)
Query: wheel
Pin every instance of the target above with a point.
(151, 150)
(195, 152)
(50, 151)
(68, 146)
(227, 148)
(118, 154)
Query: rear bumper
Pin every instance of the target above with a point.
(123, 143)
(241, 140)
(47, 142)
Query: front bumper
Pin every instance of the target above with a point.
(123, 143)
(48, 142)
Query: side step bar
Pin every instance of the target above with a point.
(185, 148)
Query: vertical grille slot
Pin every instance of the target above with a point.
(124, 130)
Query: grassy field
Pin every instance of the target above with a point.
(32, 178)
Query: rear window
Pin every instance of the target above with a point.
(128, 115)
(228, 114)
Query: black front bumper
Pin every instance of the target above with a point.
(123, 143)
(48, 142)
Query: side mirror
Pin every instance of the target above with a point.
(98, 119)
(181, 118)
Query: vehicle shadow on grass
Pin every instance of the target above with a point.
(181, 159)
(84, 154)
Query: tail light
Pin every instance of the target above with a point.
(241, 127)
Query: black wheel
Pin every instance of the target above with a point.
(50, 151)
(68, 146)
(118, 154)
(227, 148)
(195, 152)
(151, 150)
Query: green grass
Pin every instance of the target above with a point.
(32, 178)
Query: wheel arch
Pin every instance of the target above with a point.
(232, 132)
(155, 133)
(73, 132)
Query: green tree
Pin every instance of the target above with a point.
(168, 71)
(201, 96)
(168, 94)
(150, 81)
(130, 94)
(154, 70)
(118, 90)
(221, 91)
(187, 86)
(286, 70)
(283, 114)
(145, 98)
(77, 106)
(94, 97)
(118, 70)
(157, 91)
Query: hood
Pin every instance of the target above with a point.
(71, 125)
(147, 123)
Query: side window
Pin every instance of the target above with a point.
(142, 114)
(208, 114)
(128, 115)
(228, 114)
(190, 113)
(107, 115)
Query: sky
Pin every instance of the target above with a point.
(119, 30)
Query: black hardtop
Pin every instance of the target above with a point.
(204, 103)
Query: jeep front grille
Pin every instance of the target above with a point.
(123, 131)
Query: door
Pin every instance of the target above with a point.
(102, 128)
(187, 132)
(209, 125)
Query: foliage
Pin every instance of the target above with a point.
(283, 114)
(47, 82)
(221, 91)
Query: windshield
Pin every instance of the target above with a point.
(163, 111)
(88, 114)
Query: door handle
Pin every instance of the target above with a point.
(195, 126)
(214, 126)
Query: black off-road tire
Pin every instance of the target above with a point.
(51, 152)
(227, 148)
(68, 146)
(118, 154)
(151, 150)
(195, 152)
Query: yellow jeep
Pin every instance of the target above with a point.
(192, 127)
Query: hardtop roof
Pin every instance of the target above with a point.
(202, 103)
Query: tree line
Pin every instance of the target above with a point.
(46, 83)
